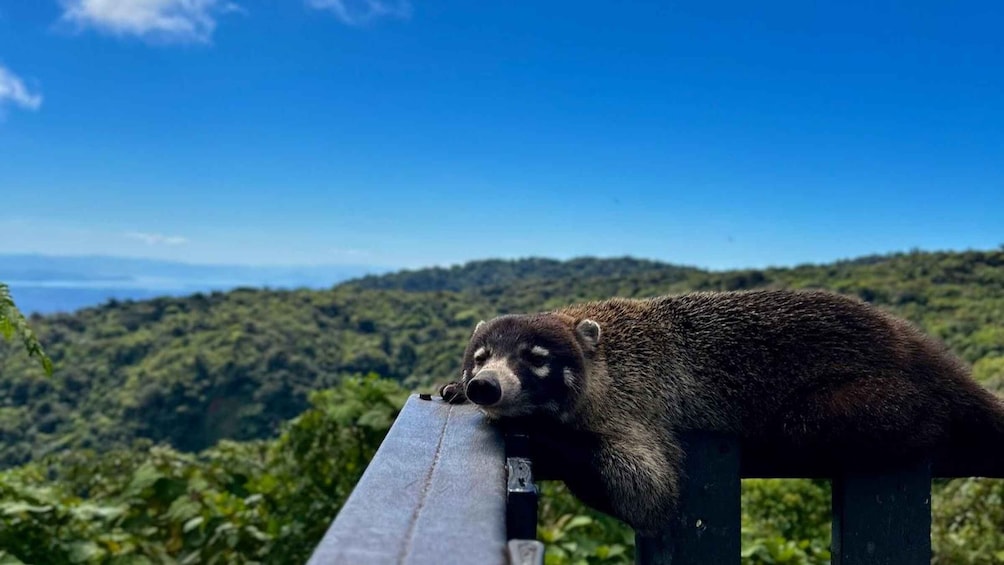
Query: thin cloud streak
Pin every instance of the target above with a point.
(13, 91)
(361, 12)
(156, 238)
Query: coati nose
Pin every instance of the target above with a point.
(484, 389)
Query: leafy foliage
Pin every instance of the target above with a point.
(968, 518)
(786, 521)
(579, 535)
(13, 323)
(266, 502)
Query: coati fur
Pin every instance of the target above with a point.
(604, 389)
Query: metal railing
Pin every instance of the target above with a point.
(447, 488)
(438, 492)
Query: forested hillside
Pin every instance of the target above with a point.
(189, 372)
(498, 272)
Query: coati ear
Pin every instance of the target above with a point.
(588, 333)
(478, 327)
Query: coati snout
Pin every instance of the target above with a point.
(518, 365)
(484, 389)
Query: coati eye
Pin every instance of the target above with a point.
(480, 356)
(537, 356)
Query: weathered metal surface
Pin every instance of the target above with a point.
(435, 493)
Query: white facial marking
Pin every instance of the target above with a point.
(539, 352)
(480, 353)
(569, 377)
(510, 384)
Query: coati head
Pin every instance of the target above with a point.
(518, 365)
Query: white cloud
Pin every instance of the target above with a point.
(360, 12)
(349, 252)
(170, 20)
(13, 90)
(156, 238)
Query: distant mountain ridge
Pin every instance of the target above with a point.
(495, 272)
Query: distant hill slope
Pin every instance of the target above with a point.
(192, 370)
(496, 272)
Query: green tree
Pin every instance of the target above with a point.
(12, 323)
(236, 503)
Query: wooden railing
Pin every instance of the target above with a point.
(446, 488)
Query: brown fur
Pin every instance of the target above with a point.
(811, 375)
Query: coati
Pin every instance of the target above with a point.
(605, 388)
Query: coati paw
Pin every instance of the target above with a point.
(453, 393)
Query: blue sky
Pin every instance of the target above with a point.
(409, 133)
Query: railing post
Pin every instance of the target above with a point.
(706, 530)
(521, 501)
(882, 518)
(521, 492)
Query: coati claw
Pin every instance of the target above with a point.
(453, 393)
